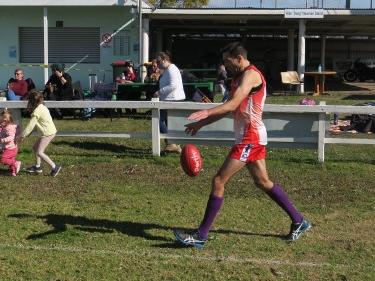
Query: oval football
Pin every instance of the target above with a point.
(191, 160)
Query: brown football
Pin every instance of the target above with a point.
(191, 160)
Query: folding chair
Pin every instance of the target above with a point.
(291, 79)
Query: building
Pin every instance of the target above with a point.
(79, 37)
(293, 34)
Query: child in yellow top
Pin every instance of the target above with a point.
(42, 120)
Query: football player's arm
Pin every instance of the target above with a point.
(193, 128)
(251, 79)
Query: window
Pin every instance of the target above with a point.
(121, 44)
(65, 45)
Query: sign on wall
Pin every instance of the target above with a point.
(304, 13)
(12, 52)
(106, 40)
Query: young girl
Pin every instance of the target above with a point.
(41, 118)
(9, 148)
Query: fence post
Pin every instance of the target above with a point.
(155, 132)
(322, 134)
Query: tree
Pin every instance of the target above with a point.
(179, 3)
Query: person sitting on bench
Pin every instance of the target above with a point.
(17, 86)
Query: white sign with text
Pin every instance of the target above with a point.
(304, 13)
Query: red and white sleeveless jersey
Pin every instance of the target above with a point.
(248, 124)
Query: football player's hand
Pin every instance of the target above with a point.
(199, 115)
(192, 128)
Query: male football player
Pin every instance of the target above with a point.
(246, 102)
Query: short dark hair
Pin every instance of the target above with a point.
(165, 56)
(234, 49)
(57, 67)
(11, 80)
(128, 64)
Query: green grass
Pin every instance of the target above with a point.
(109, 215)
(334, 98)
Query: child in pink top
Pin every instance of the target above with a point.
(9, 148)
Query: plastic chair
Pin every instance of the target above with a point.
(291, 78)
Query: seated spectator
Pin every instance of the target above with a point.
(59, 85)
(188, 77)
(153, 72)
(128, 76)
(17, 87)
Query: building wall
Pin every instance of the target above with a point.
(107, 18)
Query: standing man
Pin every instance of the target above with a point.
(171, 89)
(246, 101)
(222, 82)
(17, 86)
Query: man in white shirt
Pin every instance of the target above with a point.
(170, 89)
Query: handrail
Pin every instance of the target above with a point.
(193, 106)
(321, 110)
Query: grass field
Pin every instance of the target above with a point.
(109, 215)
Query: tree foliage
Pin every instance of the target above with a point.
(179, 3)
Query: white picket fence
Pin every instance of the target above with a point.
(292, 126)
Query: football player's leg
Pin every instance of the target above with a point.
(258, 171)
(228, 169)
(199, 237)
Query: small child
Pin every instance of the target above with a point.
(41, 118)
(9, 148)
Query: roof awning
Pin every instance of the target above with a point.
(47, 3)
(264, 21)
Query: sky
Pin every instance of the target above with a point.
(355, 4)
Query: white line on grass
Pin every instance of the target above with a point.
(157, 254)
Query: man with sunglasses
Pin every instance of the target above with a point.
(17, 87)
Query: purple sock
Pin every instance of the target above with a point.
(213, 206)
(278, 195)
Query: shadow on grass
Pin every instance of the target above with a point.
(59, 224)
(110, 147)
(295, 160)
(360, 97)
(328, 159)
(4, 172)
(348, 161)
